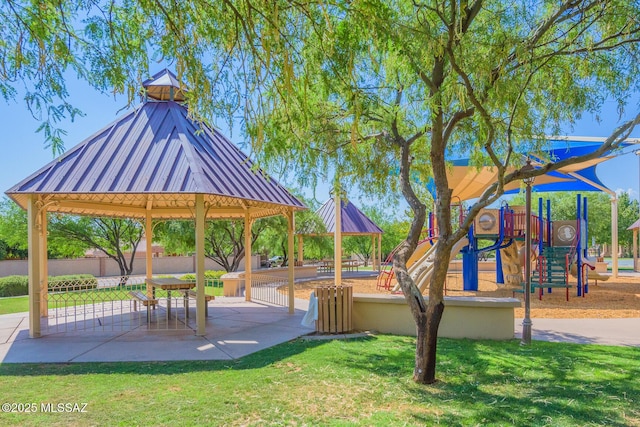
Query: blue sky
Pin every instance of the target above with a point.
(24, 151)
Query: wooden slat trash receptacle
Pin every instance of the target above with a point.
(335, 304)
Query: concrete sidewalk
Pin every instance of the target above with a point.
(624, 332)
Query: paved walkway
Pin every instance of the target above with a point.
(624, 332)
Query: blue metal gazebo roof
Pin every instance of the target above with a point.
(155, 158)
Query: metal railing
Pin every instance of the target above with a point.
(107, 305)
(270, 289)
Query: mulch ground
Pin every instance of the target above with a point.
(611, 299)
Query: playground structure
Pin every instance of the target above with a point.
(560, 251)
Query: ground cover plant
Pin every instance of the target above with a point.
(355, 382)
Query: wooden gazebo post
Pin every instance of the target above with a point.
(44, 264)
(379, 252)
(200, 302)
(34, 254)
(148, 235)
(247, 257)
(291, 228)
(635, 249)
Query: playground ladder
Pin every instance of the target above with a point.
(553, 270)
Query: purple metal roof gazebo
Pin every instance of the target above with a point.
(152, 163)
(353, 223)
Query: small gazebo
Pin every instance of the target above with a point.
(153, 163)
(352, 223)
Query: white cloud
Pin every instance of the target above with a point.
(630, 191)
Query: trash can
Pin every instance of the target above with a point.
(335, 304)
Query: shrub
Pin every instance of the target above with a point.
(211, 277)
(11, 286)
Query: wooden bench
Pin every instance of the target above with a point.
(190, 293)
(138, 296)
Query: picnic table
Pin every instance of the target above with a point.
(170, 284)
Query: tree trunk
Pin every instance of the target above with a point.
(430, 342)
(123, 272)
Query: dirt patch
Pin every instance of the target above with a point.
(617, 298)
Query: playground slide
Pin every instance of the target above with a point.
(422, 269)
(513, 262)
(591, 274)
(422, 248)
(511, 265)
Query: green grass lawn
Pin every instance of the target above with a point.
(20, 304)
(357, 382)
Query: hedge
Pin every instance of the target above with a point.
(210, 276)
(19, 285)
(12, 286)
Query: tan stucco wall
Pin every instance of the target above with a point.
(464, 317)
(107, 267)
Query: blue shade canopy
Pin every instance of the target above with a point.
(469, 182)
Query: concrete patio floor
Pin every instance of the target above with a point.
(235, 328)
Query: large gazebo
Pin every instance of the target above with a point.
(153, 163)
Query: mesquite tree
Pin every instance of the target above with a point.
(387, 92)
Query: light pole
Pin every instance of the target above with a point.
(526, 323)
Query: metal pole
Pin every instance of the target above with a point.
(526, 323)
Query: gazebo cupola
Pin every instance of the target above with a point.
(164, 86)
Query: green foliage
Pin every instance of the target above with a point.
(117, 238)
(273, 240)
(13, 227)
(317, 247)
(13, 232)
(12, 252)
(208, 274)
(224, 239)
(14, 285)
(211, 277)
(177, 237)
